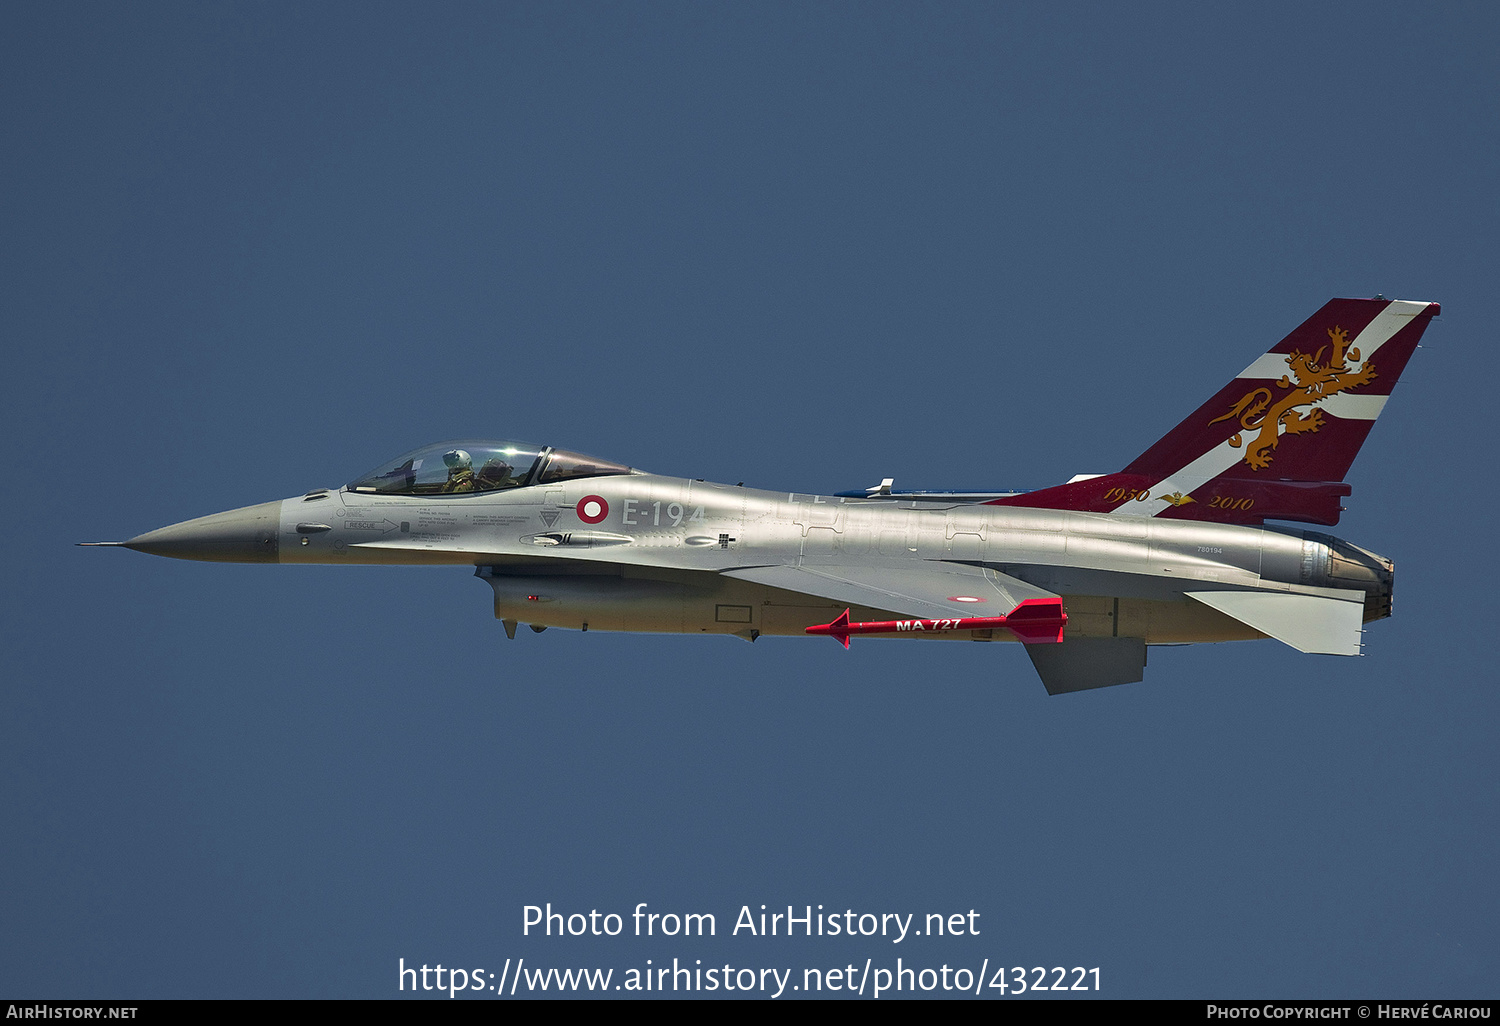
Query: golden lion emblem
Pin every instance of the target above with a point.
(1315, 381)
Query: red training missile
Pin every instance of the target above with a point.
(1034, 621)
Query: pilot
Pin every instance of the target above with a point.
(460, 472)
(495, 473)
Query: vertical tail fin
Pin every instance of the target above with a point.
(1276, 442)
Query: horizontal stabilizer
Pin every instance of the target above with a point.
(1080, 664)
(1308, 623)
(931, 591)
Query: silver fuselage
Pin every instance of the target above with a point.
(654, 558)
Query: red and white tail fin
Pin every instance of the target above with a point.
(1276, 442)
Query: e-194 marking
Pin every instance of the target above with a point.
(674, 511)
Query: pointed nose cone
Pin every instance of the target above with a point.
(247, 535)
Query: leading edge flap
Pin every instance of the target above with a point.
(933, 591)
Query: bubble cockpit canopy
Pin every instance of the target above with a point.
(468, 467)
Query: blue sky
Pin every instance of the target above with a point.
(255, 249)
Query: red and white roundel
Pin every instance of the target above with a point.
(592, 509)
(965, 598)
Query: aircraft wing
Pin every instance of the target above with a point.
(931, 591)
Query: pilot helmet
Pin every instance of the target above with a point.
(457, 459)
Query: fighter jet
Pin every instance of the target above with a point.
(1175, 548)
